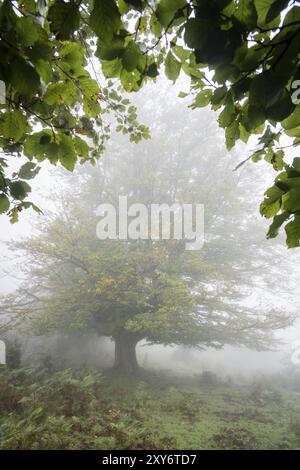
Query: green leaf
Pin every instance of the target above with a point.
(33, 147)
(4, 203)
(228, 115)
(181, 53)
(111, 68)
(202, 99)
(291, 200)
(270, 209)
(278, 221)
(246, 13)
(277, 160)
(255, 118)
(130, 80)
(89, 86)
(13, 125)
(64, 18)
(273, 194)
(152, 71)
(232, 134)
(39, 145)
(244, 134)
(155, 26)
(282, 108)
(19, 189)
(218, 95)
(211, 43)
(265, 89)
(272, 203)
(44, 69)
(131, 57)
(24, 77)
(196, 33)
(257, 156)
(167, 9)
(262, 8)
(110, 50)
(268, 137)
(28, 31)
(275, 9)
(296, 164)
(14, 215)
(172, 67)
(28, 171)
(293, 120)
(67, 153)
(293, 232)
(40, 50)
(81, 147)
(3, 183)
(73, 51)
(91, 106)
(105, 19)
(285, 183)
(61, 92)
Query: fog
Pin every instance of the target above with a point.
(276, 289)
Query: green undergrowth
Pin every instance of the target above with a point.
(85, 410)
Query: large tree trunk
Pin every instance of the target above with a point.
(125, 353)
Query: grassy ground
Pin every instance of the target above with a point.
(67, 410)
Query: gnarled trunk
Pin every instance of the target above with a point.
(125, 353)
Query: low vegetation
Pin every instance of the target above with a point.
(65, 409)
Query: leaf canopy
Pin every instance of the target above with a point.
(242, 58)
